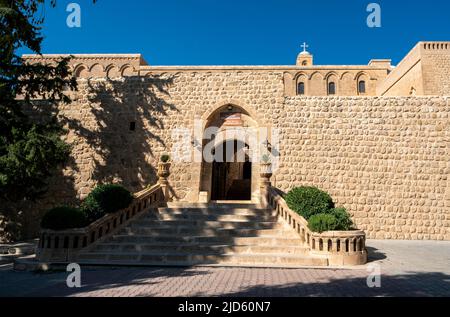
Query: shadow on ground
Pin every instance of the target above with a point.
(374, 254)
(240, 283)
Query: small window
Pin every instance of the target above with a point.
(331, 88)
(304, 63)
(362, 87)
(132, 126)
(301, 88)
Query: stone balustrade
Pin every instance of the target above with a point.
(64, 245)
(339, 247)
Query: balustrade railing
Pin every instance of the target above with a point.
(340, 247)
(64, 245)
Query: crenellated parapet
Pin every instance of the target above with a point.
(422, 72)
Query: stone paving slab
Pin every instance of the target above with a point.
(409, 268)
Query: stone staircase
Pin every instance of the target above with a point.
(228, 234)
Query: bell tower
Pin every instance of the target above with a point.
(304, 58)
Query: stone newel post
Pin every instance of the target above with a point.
(265, 174)
(163, 174)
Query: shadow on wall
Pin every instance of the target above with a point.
(126, 115)
(105, 148)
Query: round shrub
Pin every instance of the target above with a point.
(309, 201)
(92, 210)
(343, 220)
(322, 222)
(61, 218)
(105, 199)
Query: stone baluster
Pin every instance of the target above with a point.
(265, 184)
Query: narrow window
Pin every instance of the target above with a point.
(132, 126)
(301, 88)
(331, 88)
(362, 87)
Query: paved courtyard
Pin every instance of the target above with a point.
(408, 268)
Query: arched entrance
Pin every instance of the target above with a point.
(231, 172)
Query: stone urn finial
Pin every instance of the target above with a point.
(266, 167)
(164, 167)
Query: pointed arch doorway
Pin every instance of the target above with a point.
(233, 173)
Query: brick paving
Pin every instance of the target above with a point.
(409, 268)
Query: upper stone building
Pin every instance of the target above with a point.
(424, 71)
(376, 137)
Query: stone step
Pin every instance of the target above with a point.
(238, 204)
(209, 217)
(206, 224)
(266, 240)
(198, 249)
(217, 211)
(192, 231)
(175, 259)
(202, 232)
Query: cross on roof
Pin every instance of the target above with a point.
(305, 46)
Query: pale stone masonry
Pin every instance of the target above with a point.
(383, 152)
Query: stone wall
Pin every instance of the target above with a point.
(385, 159)
(436, 71)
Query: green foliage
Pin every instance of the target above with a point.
(106, 199)
(308, 201)
(92, 209)
(322, 222)
(29, 150)
(61, 218)
(165, 158)
(317, 207)
(27, 159)
(343, 220)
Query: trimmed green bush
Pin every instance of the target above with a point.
(322, 222)
(61, 218)
(91, 208)
(343, 220)
(165, 158)
(309, 201)
(106, 199)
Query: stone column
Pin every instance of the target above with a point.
(265, 184)
(163, 174)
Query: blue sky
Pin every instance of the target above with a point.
(246, 32)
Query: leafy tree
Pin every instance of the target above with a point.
(30, 150)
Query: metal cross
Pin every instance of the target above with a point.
(305, 46)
